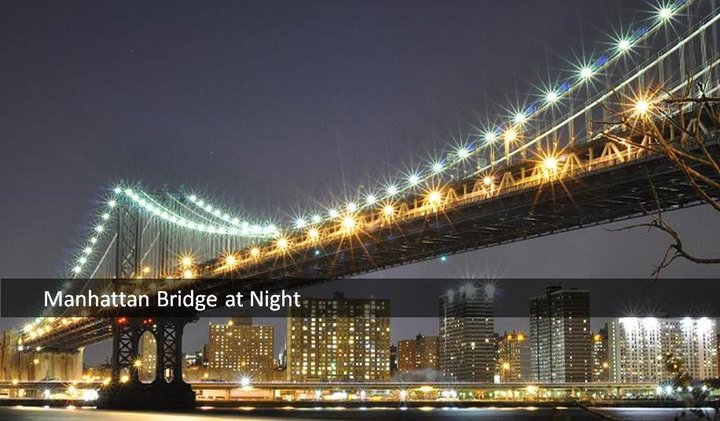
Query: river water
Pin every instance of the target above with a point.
(337, 414)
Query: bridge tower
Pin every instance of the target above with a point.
(168, 390)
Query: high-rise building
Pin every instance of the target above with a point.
(639, 348)
(513, 357)
(148, 357)
(241, 348)
(393, 359)
(417, 354)
(560, 348)
(466, 342)
(339, 339)
(600, 365)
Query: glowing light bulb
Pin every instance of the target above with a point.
(105, 216)
(282, 243)
(146, 270)
(551, 97)
(186, 261)
(388, 210)
(520, 118)
(316, 219)
(550, 163)
(370, 199)
(188, 274)
(349, 223)
(300, 223)
(438, 167)
(665, 13)
(463, 153)
(255, 252)
(99, 228)
(586, 72)
(488, 180)
(112, 203)
(490, 136)
(642, 107)
(511, 135)
(435, 198)
(77, 269)
(624, 45)
(230, 260)
(313, 234)
(87, 250)
(413, 179)
(392, 190)
(333, 213)
(351, 207)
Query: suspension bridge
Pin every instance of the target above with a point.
(579, 153)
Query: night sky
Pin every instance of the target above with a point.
(272, 106)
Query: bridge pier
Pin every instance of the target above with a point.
(168, 390)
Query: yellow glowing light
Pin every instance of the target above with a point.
(137, 363)
(146, 270)
(188, 274)
(313, 234)
(488, 180)
(511, 135)
(531, 389)
(282, 243)
(124, 378)
(230, 260)
(642, 107)
(506, 366)
(255, 252)
(434, 198)
(186, 261)
(550, 164)
(388, 210)
(36, 361)
(349, 223)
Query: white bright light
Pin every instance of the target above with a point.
(413, 179)
(586, 72)
(245, 382)
(112, 203)
(99, 228)
(551, 96)
(624, 45)
(392, 190)
(333, 213)
(490, 136)
(316, 219)
(370, 199)
(438, 167)
(642, 107)
(665, 13)
(300, 223)
(463, 153)
(520, 118)
(351, 207)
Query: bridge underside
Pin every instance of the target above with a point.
(623, 191)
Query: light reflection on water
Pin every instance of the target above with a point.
(336, 414)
